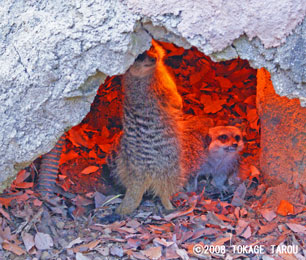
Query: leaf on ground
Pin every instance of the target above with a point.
(43, 241)
(176, 214)
(89, 169)
(5, 214)
(251, 100)
(214, 220)
(268, 214)
(239, 195)
(297, 228)
(153, 252)
(77, 137)
(6, 201)
(241, 226)
(162, 242)
(19, 181)
(116, 251)
(285, 208)
(82, 201)
(221, 241)
(170, 253)
(65, 157)
(161, 228)
(80, 256)
(243, 212)
(125, 230)
(133, 243)
(143, 215)
(111, 95)
(255, 173)
(5, 234)
(212, 106)
(99, 199)
(247, 233)
(182, 253)
(13, 248)
(37, 202)
(260, 190)
(104, 251)
(205, 232)
(224, 82)
(267, 228)
(91, 245)
(75, 242)
(139, 255)
(133, 223)
(28, 241)
(106, 147)
(252, 115)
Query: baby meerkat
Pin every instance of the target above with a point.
(221, 159)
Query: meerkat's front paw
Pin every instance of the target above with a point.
(165, 200)
(124, 210)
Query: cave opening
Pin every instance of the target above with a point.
(224, 93)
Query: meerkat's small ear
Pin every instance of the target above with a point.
(207, 140)
(141, 57)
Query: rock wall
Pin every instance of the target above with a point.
(283, 135)
(55, 54)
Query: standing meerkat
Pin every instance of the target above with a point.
(149, 154)
(221, 158)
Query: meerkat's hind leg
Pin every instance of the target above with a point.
(164, 189)
(133, 196)
(165, 200)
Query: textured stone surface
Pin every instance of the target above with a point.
(54, 54)
(283, 135)
(48, 49)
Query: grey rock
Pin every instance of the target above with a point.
(53, 57)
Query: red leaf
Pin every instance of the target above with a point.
(13, 248)
(210, 105)
(77, 137)
(106, 147)
(90, 169)
(285, 208)
(111, 95)
(224, 83)
(6, 201)
(252, 115)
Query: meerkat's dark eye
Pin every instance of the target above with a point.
(237, 138)
(223, 138)
(152, 59)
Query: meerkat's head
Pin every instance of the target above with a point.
(143, 66)
(224, 140)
